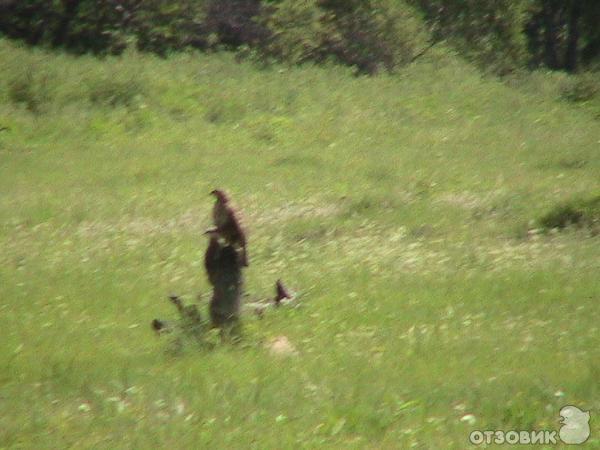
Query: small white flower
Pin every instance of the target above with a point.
(84, 407)
(468, 418)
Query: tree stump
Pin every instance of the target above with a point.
(223, 265)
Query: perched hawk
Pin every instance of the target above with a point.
(227, 223)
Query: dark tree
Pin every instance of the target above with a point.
(573, 37)
(551, 13)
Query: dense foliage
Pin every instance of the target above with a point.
(368, 35)
(489, 31)
(500, 35)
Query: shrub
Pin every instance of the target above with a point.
(581, 212)
(374, 34)
(29, 88)
(489, 32)
(580, 88)
(97, 26)
(367, 35)
(163, 25)
(295, 31)
(233, 23)
(102, 26)
(78, 25)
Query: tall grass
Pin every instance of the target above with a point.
(400, 207)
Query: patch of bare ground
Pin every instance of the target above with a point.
(192, 220)
(469, 200)
(281, 346)
(292, 211)
(381, 250)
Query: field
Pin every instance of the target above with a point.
(402, 208)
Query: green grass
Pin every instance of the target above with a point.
(397, 206)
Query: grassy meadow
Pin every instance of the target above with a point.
(402, 208)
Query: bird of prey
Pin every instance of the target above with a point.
(227, 223)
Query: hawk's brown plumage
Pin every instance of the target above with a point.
(227, 223)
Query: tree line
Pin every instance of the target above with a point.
(499, 35)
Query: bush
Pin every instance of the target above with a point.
(580, 88)
(375, 34)
(30, 89)
(233, 23)
(107, 26)
(295, 31)
(97, 26)
(368, 35)
(163, 25)
(581, 212)
(489, 32)
(78, 25)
